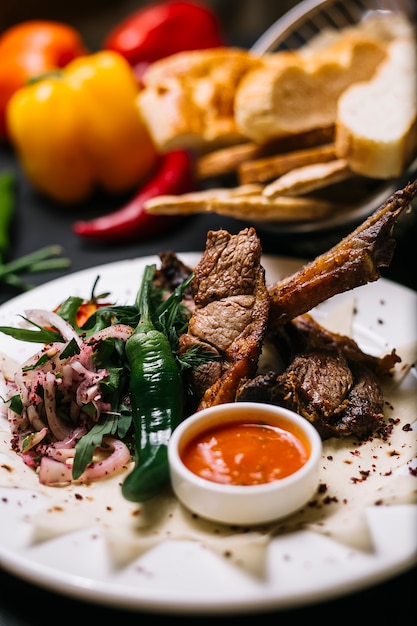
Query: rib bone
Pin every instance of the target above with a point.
(354, 261)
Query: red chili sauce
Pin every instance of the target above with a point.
(247, 452)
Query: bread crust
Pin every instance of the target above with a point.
(188, 98)
(265, 169)
(376, 125)
(296, 93)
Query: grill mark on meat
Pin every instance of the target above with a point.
(231, 314)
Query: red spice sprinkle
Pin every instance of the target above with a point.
(407, 427)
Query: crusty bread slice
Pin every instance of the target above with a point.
(294, 92)
(259, 163)
(376, 125)
(265, 169)
(188, 98)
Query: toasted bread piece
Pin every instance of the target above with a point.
(303, 180)
(250, 160)
(265, 169)
(188, 98)
(245, 202)
(225, 160)
(376, 124)
(293, 92)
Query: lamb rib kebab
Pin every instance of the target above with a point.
(231, 314)
(327, 377)
(353, 262)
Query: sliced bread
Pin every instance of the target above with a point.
(295, 92)
(187, 100)
(376, 124)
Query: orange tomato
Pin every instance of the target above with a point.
(30, 49)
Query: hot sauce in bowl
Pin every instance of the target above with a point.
(244, 462)
(246, 453)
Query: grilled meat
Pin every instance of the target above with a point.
(231, 314)
(305, 334)
(326, 377)
(171, 274)
(353, 262)
(338, 399)
(328, 380)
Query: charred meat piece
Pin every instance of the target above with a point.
(328, 379)
(172, 271)
(353, 262)
(324, 389)
(305, 334)
(364, 414)
(231, 314)
(171, 274)
(338, 399)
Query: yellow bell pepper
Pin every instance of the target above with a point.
(79, 130)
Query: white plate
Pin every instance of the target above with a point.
(181, 576)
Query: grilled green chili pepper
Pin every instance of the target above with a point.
(156, 396)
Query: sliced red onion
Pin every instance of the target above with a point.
(116, 331)
(53, 472)
(43, 317)
(59, 429)
(34, 417)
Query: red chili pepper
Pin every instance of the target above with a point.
(163, 29)
(132, 222)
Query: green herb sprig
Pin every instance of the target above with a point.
(45, 259)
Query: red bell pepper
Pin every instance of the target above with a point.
(162, 29)
(132, 222)
(30, 49)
